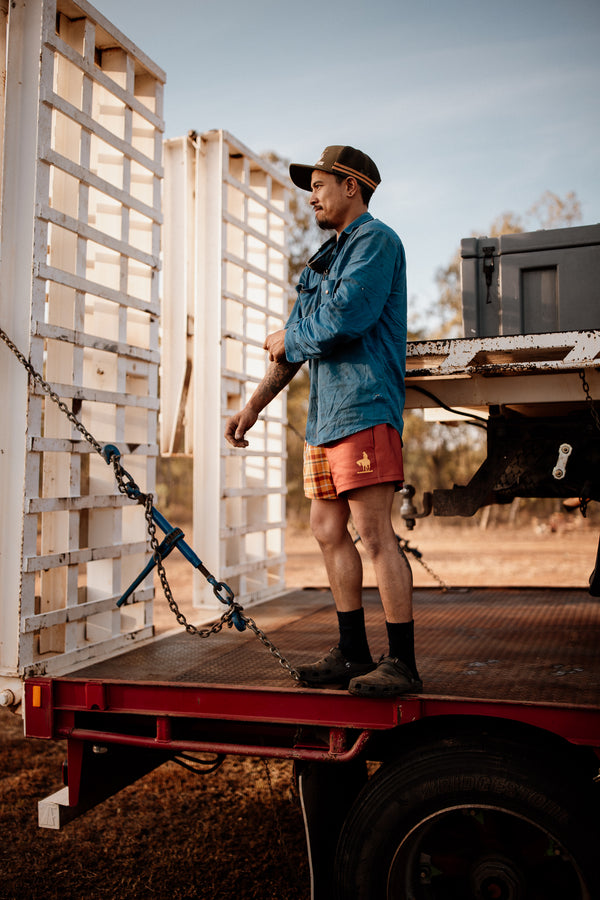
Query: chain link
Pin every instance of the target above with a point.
(126, 485)
(588, 396)
(51, 393)
(406, 548)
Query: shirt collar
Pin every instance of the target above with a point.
(364, 217)
(321, 260)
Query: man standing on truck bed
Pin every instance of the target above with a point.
(349, 322)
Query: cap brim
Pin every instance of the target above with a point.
(301, 176)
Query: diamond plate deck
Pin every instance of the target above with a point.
(515, 645)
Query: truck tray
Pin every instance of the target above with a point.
(525, 644)
(529, 655)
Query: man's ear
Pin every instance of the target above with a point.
(351, 186)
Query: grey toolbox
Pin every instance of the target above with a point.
(531, 283)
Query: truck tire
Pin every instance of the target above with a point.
(475, 818)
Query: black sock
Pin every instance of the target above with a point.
(401, 637)
(353, 636)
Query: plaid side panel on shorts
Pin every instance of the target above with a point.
(318, 483)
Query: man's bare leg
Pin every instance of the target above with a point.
(351, 657)
(329, 524)
(371, 509)
(396, 673)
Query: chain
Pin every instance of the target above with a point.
(52, 394)
(406, 548)
(251, 624)
(126, 485)
(162, 574)
(234, 614)
(234, 610)
(588, 396)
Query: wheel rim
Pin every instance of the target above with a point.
(482, 852)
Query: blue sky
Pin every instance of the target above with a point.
(469, 109)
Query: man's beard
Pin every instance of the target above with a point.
(325, 224)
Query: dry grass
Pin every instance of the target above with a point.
(235, 833)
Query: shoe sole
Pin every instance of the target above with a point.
(379, 691)
(328, 680)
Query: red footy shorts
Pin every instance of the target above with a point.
(372, 456)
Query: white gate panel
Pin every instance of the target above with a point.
(83, 130)
(231, 217)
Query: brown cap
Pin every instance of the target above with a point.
(338, 161)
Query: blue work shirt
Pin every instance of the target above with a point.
(349, 322)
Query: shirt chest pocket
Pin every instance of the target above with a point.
(327, 288)
(310, 298)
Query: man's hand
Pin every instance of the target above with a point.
(279, 374)
(238, 425)
(275, 346)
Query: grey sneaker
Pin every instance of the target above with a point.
(390, 678)
(333, 668)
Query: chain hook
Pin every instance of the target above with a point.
(235, 614)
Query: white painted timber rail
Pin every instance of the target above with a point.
(81, 212)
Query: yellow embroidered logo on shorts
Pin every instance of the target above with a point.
(364, 464)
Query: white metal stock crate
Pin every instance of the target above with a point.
(82, 170)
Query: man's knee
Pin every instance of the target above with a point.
(377, 539)
(376, 533)
(328, 521)
(371, 510)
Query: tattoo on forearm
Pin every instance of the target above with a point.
(280, 373)
(277, 376)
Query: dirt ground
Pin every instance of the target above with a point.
(558, 552)
(237, 833)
